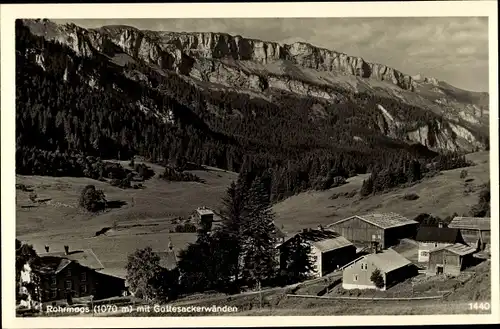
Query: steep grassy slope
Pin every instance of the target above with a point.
(441, 196)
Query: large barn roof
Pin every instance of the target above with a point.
(437, 234)
(471, 223)
(382, 220)
(85, 257)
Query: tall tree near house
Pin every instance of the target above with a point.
(143, 266)
(297, 261)
(235, 215)
(259, 254)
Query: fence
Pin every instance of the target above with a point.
(371, 298)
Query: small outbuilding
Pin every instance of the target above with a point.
(450, 259)
(392, 266)
(430, 237)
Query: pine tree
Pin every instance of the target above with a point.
(296, 260)
(259, 254)
(235, 214)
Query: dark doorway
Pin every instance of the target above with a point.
(439, 269)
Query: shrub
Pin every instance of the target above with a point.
(92, 199)
(186, 228)
(377, 278)
(411, 196)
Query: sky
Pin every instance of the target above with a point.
(452, 49)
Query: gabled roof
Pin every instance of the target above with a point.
(332, 244)
(387, 260)
(471, 223)
(324, 240)
(437, 234)
(168, 259)
(382, 220)
(85, 257)
(457, 248)
(49, 264)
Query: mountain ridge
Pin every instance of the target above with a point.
(242, 48)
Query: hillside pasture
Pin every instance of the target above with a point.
(441, 195)
(142, 217)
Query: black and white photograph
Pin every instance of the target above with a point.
(250, 166)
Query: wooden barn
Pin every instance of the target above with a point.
(393, 267)
(475, 231)
(329, 250)
(450, 259)
(385, 228)
(429, 238)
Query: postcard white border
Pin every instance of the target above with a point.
(365, 9)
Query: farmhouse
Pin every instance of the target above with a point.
(450, 259)
(75, 274)
(384, 228)
(429, 238)
(329, 250)
(393, 267)
(475, 231)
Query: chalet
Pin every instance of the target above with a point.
(385, 228)
(73, 274)
(393, 267)
(329, 250)
(475, 231)
(429, 237)
(450, 259)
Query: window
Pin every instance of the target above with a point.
(53, 293)
(424, 253)
(68, 273)
(84, 276)
(364, 266)
(355, 277)
(83, 288)
(69, 284)
(53, 280)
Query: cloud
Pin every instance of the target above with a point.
(454, 49)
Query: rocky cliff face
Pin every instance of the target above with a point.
(166, 49)
(299, 68)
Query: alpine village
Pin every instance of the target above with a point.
(166, 168)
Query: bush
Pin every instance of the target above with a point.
(463, 174)
(186, 228)
(92, 199)
(377, 278)
(411, 196)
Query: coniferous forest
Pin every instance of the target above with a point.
(72, 112)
